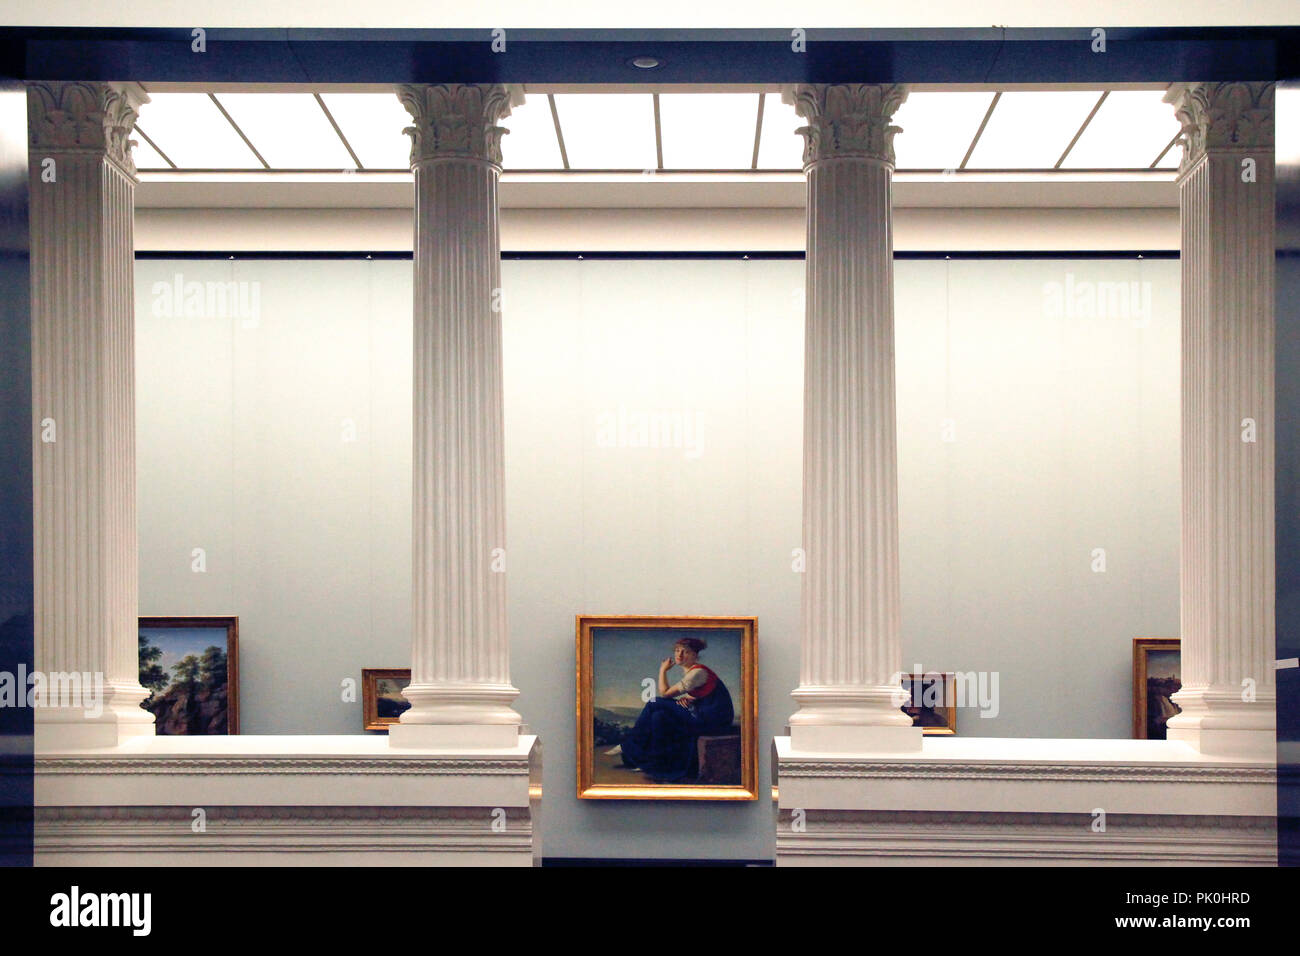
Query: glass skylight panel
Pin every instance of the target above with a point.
(780, 147)
(708, 130)
(145, 156)
(938, 128)
(373, 124)
(1031, 130)
(1128, 132)
(290, 130)
(1287, 134)
(608, 130)
(190, 129)
(531, 142)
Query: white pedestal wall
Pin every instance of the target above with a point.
(287, 801)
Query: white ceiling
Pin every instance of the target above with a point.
(727, 132)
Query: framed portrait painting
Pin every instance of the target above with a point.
(382, 702)
(934, 701)
(1157, 676)
(667, 708)
(190, 667)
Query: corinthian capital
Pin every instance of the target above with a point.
(85, 117)
(1222, 116)
(851, 120)
(455, 120)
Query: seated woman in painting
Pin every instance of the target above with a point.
(662, 743)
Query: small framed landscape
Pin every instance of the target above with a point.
(934, 701)
(667, 707)
(382, 702)
(1157, 676)
(190, 666)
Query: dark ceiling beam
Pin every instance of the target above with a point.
(989, 55)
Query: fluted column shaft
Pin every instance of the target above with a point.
(1226, 187)
(82, 187)
(460, 688)
(849, 692)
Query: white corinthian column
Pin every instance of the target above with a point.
(460, 690)
(1226, 185)
(82, 187)
(849, 694)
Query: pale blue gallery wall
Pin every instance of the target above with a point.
(1037, 428)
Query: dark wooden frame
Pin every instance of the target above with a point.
(746, 710)
(370, 677)
(1141, 647)
(231, 624)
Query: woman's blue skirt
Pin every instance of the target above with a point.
(662, 742)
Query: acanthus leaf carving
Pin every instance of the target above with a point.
(1222, 116)
(455, 120)
(85, 117)
(847, 120)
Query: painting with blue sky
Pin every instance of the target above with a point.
(626, 656)
(190, 671)
(691, 737)
(177, 643)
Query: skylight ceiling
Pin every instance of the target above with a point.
(938, 128)
(1129, 127)
(373, 126)
(1032, 130)
(608, 130)
(724, 132)
(708, 130)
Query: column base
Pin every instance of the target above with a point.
(453, 736)
(457, 717)
(1255, 744)
(68, 728)
(1216, 721)
(854, 739)
(853, 720)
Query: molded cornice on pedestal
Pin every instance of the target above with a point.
(1222, 116)
(457, 121)
(866, 768)
(85, 117)
(851, 121)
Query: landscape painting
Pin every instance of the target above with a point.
(667, 708)
(190, 667)
(381, 695)
(1157, 676)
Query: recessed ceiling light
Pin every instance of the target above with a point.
(645, 62)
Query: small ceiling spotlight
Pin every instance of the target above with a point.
(645, 62)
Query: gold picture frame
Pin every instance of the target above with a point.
(611, 705)
(1147, 686)
(934, 713)
(372, 692)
